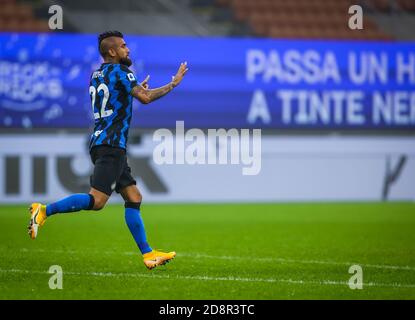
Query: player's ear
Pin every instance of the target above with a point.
(111, 52)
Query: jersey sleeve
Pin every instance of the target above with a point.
(127, 78)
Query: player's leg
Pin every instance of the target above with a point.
(133, 219)
(107, 169)
(126, 186)
(94, 200)
(40, 212)
(100, 199)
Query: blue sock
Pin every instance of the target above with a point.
(136, 226)
(75, 202)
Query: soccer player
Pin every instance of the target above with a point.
(112, 88)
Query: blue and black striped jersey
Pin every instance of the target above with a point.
(110, 88)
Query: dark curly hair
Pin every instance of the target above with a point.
(102, 49)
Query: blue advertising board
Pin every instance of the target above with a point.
(231, 83)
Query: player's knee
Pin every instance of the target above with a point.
(139, 197)
(98, 206)
(99, 203)
(135, 196)
(98, 199)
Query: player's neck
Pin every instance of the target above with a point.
(110, 60)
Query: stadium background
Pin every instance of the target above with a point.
(337, 165)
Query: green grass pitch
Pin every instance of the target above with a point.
(224, 251)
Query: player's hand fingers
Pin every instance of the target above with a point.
(183, 65)
(146, 79)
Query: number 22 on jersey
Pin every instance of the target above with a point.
(93, 92)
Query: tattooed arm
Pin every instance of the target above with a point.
(145, 95)
(148, 95)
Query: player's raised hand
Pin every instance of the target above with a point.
(180, 74)
(144, 84)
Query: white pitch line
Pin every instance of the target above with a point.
(283, 260)
(207, 278)
(266, 259)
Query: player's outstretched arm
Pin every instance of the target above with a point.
(145, 95)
